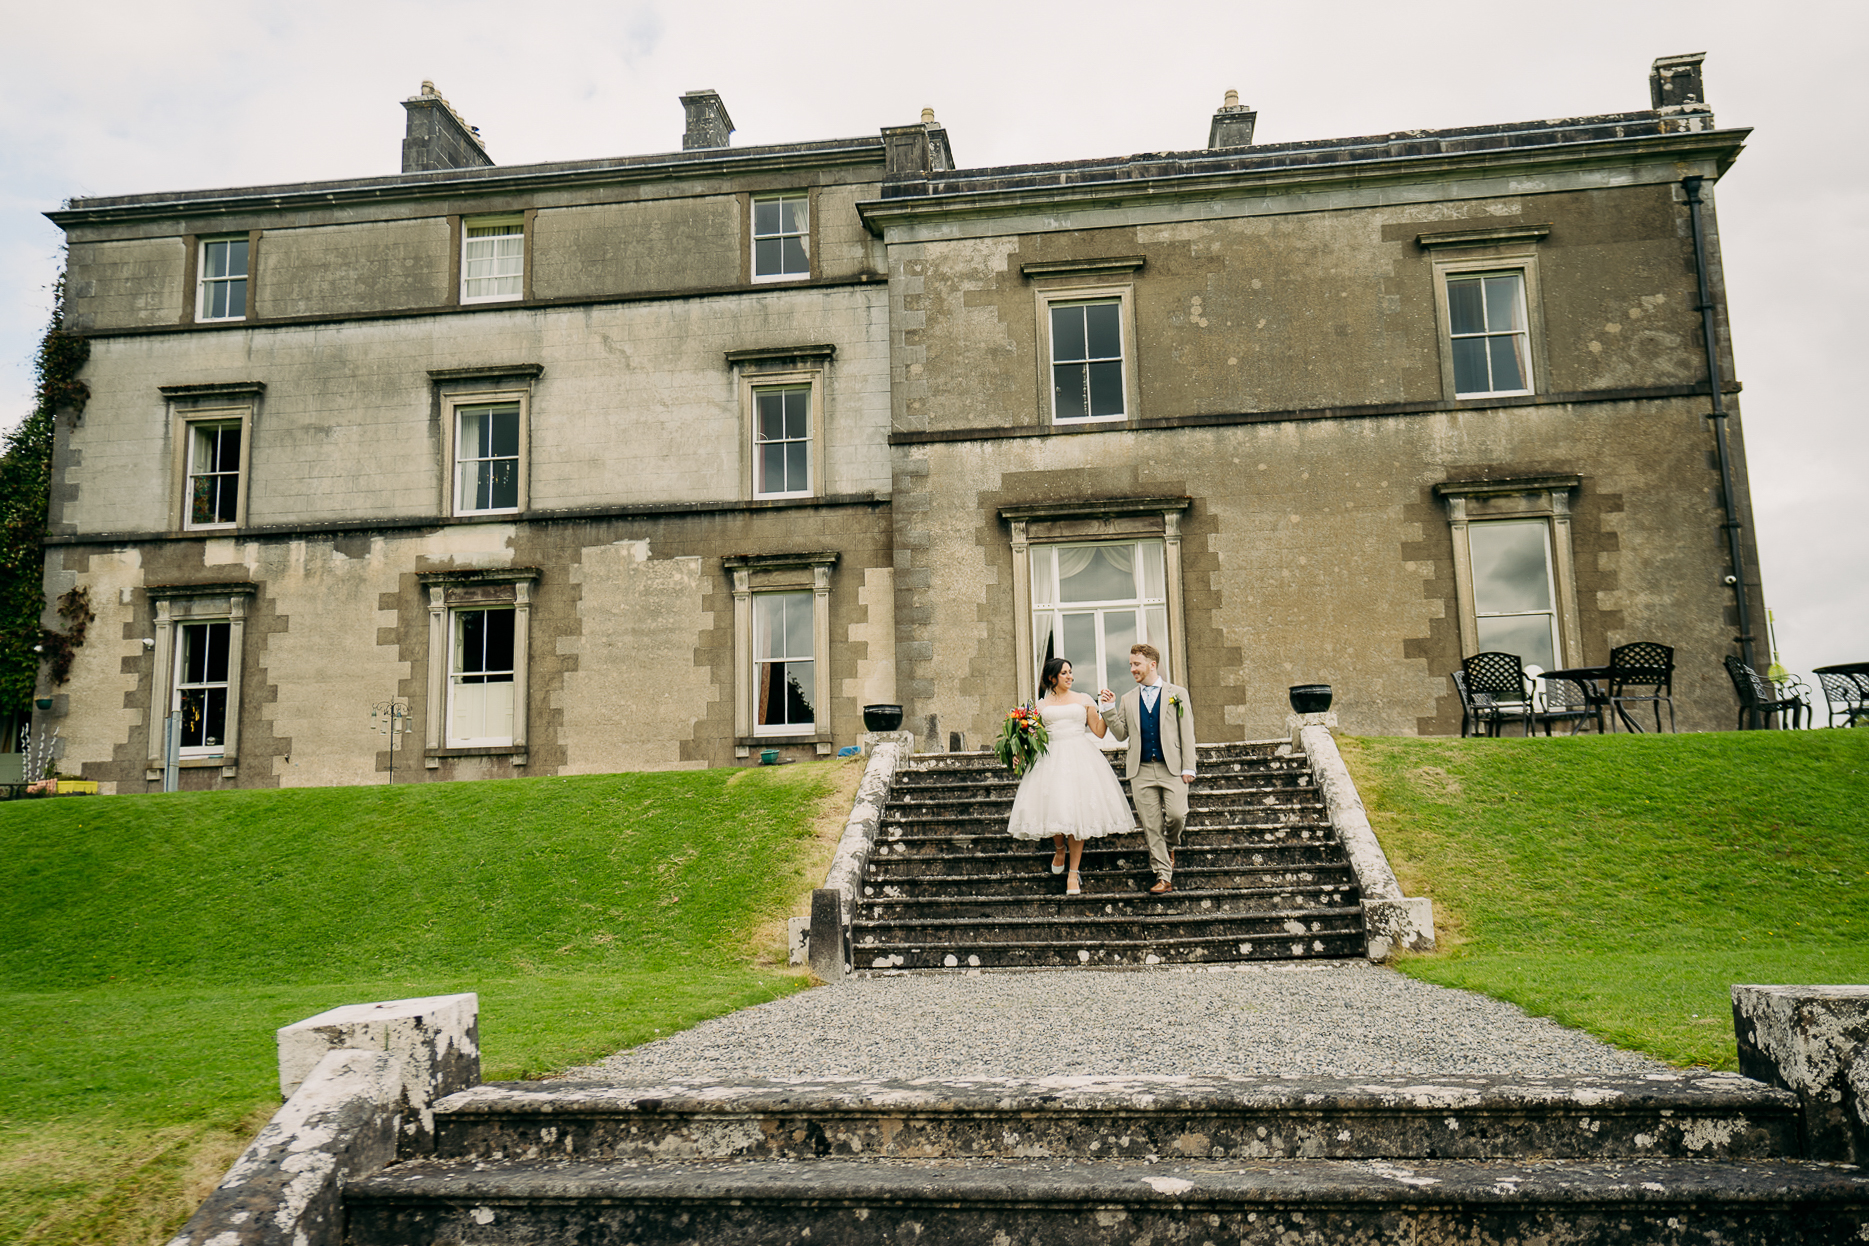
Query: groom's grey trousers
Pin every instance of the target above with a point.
(1162, 808)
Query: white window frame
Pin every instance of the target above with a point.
(458, 677)
(1491, 261)
(752, 385)
(180, 685)
(754, 236)
(1110, 521)
(204, 284)
(1049, 610)
(454, 592)
(186, 417)
(750, 575)
(455, 407)
(177, 607)
(1123, 296)
(193, 472)
(1550, 614)
(762, 664)
(511, 225)
(1544, 499)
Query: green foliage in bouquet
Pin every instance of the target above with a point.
(1022, 739)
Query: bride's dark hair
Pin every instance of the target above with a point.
(1053, 668)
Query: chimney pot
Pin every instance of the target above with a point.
(1232, 124)
(1233, 99)
(928, 117)
(428, 87)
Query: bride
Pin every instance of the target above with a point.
(1070, 793)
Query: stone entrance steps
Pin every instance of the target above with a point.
(1681, 1159)
(1261, 876)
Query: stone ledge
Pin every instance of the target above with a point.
(843, 882)
(339, 1124)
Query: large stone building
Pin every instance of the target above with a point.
(664, 460)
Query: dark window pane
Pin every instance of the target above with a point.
(771, 415)
(201, 508)
(236, 298)
(792, 215)
(214, 259)
(1067, 334)
(216, 653)
(795, 261)
(1464, 311)
(1068, 391)
(499, 633)
(227, 450)
(1470, 366)
(214, 716)
(772, 467)
(473, 651)
(765, 216)
(193, 710)
(503, 484)
(237, 258)
(1507, 372)
(1103, 328)
(766, 257)
(796, 467)
(1106, 388)
(504, 434)
(799, 693)
(227, 495)
(797, 412)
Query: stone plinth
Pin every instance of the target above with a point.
(435, 1042)
(1814, 1042)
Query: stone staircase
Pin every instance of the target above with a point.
(1260, 876)
(1689, 1160)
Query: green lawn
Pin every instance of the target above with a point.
(1622, 884)
(150, 946)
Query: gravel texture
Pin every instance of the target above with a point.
(1298, 1020)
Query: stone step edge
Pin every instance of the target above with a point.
(1345, 912)
(1179, 893)
(1683, 1185)
(1333, 867)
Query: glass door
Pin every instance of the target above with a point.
(1091, 602)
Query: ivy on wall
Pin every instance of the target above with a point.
(25, 490)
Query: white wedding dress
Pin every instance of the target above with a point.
(1070, 789)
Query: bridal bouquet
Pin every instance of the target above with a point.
(1022, 739)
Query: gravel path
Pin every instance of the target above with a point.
(1302, 1020)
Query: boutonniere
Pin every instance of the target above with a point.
(1175, 703)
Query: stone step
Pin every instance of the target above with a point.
(905, 871)
(1689, 1114)
(1082, 922)
(1110, 951)
(993, 822)
(1228, 773)
(986, 1201)
(1038, 879)
(1133, 901)
(971, 802)
(1203, 846)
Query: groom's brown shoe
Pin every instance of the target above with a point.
(1161, 888)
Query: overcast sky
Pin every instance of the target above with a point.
(189, 93)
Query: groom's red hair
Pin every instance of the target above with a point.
(1148, 651)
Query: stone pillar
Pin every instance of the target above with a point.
(1814, 1042)
(830, 934)
(435, 1042)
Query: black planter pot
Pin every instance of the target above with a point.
(882, 717)
(1310, 698)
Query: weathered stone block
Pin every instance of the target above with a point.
(340, 1123)
(435, 1042)
(1814, 1042)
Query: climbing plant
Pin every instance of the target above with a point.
(25, 490)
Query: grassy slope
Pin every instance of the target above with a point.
(1622, 884)
(149, 947)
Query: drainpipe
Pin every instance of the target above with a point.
(1737, 578)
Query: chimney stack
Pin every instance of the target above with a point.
(1232, 124)
(1675, 90)
(708, 124)
(437, 138)
(917, 150)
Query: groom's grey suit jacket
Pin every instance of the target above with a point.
(1125, 717)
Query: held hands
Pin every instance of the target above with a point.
(1106, 697)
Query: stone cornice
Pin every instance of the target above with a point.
(1721, 147)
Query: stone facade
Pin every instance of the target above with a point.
(1290, 440)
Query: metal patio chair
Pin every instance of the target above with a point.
(1642, 671)
(1500, 677)
(1759, 700)
(1567, 700)
(1475, 712)
(1846, 696)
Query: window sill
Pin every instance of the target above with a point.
(774, 741)
(1100, 421)
(228, 767)
(492, 298)
(210, 527)
(432, 758)
(1503, 393)
(778, 277)
(486, 514)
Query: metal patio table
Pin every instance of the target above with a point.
(1587, 678)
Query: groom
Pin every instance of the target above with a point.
(1161, 756)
